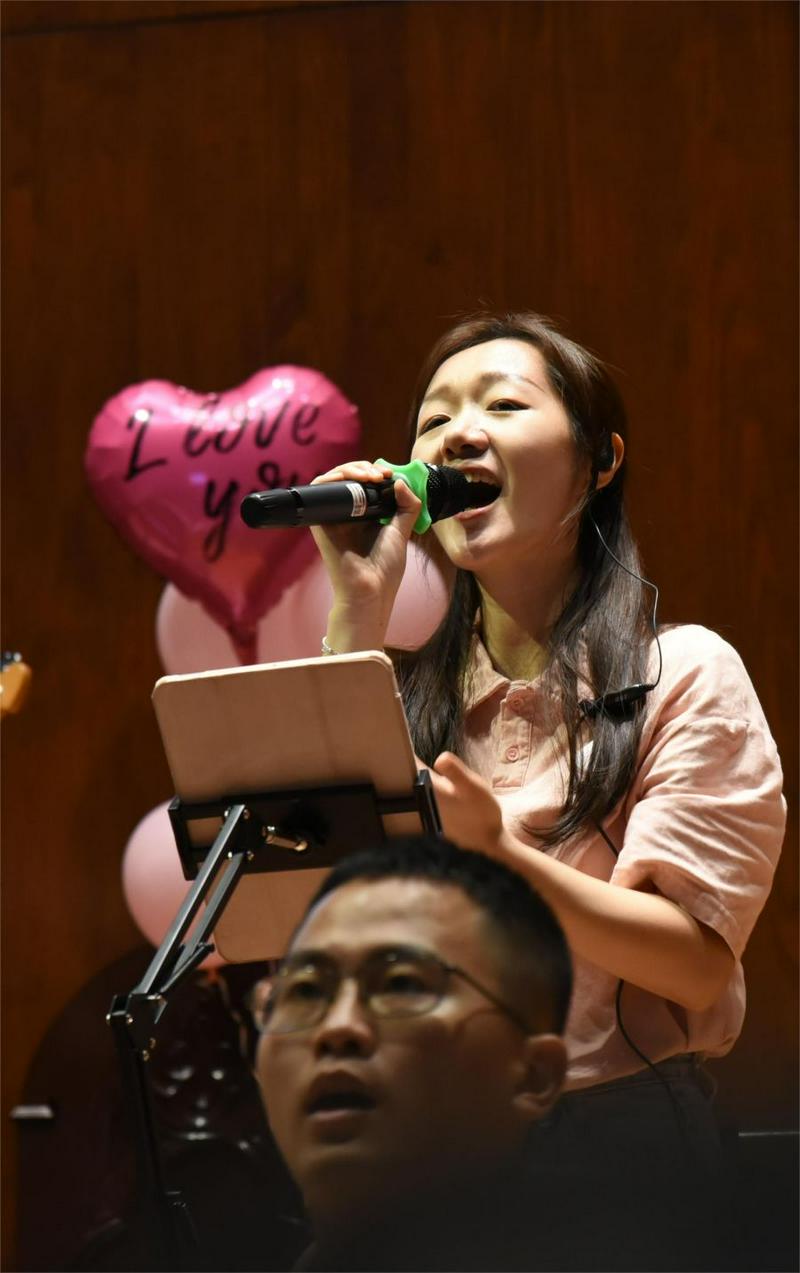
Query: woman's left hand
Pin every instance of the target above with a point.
(470, 814)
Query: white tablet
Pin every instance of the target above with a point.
(323, 722)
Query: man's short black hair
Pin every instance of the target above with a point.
(524, 931)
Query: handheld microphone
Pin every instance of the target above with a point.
(444, 491)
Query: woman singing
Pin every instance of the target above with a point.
(628, 772)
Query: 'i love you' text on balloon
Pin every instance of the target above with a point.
(170, 468)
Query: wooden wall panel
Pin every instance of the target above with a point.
(28, 16)
(329, 185)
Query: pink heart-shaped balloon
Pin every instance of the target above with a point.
(170, 468)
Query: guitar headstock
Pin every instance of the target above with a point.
(15, 681)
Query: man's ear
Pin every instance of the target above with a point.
(618, 451)
(542, 1077)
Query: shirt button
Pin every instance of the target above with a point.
(512, 753)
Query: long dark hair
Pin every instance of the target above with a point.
(603, 633)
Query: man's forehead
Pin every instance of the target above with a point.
(364, 914)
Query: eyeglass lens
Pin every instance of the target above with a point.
(392, 983)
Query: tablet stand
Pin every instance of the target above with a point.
(269, 831)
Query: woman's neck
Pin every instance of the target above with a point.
(516, 622)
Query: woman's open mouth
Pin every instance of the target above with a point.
(484, 489)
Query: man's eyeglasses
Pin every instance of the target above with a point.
(395, 982)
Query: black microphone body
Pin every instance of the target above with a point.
(447, 492)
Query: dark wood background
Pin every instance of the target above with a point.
(196, 190)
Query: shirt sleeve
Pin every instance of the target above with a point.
(706, 816)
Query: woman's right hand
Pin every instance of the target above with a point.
(365, 562)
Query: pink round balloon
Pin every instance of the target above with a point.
(420, 603)
(152, 879)
(188, 641)
(170, 467)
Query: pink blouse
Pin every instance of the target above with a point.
(703, 821)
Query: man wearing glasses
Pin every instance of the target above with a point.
(410, 1042)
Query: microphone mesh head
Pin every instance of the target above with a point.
(449, 492)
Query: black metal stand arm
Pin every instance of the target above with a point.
(269, 831)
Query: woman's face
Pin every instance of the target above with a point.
(491, 411)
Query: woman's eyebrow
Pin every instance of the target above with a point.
(484, 381)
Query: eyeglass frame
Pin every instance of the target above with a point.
(320, 958)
